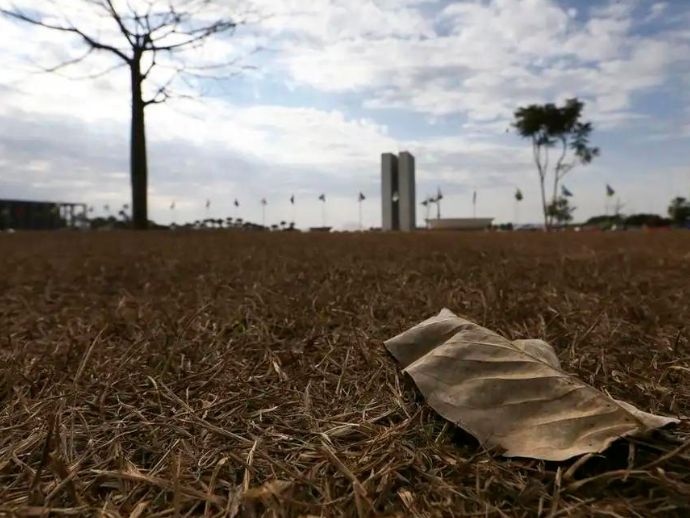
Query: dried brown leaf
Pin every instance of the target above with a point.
(512, 396)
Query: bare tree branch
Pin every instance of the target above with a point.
(148, 32)
(69, 62)
(96, 75)
(151, 66)
(110, 8)
(18, 15)
(196, 36)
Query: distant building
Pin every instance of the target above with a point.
(398, 191)
(460, 223)
(39, 215)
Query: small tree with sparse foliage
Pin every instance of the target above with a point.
(555, 127)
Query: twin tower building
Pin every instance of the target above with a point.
(398, 191)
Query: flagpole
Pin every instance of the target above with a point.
(359, 202)
(474, 203)
(323, 213)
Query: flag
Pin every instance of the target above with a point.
(322, 197)
(263, 201)
(426, 202)
(474, 197)
(565, 192)
(172, 205)
(362, 197)
(439, 195)
(609, 190)
(208, 204)
(518, 195)
(292, 199)
(237, 203)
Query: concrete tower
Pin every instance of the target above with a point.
(398, 191)
(389, 186)
(406, 188)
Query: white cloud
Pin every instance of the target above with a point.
(656, 10)
(489, 57)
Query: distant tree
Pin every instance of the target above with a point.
(148, 35)
(560, 211)
(549, 126)
(605, 221)
(679, 210)
(646, 220)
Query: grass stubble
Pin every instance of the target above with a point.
(230, 374)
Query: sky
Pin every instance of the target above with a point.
(320, 88)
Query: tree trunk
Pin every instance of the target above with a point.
(138, 164)
(554, 197)
(557, 173)
(542, 179)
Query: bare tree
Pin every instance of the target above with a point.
(149, 37)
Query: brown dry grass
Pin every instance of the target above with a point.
(243, 374)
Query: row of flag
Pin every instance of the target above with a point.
(433, 199)
(236, 203)
(106, 207)
(439, 197)
(564, 191)
(264, 202)
(361, 197)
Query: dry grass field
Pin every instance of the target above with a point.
(177, 374)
